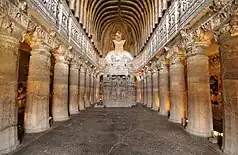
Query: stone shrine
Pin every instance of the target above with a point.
(118, 76)
(61, 59)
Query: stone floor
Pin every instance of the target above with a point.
(122, 131)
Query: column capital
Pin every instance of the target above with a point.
(60, 54)
(41, 49)
(37, 35)
(83, 69)
(94, 71)
(227, 31)
(155, 67)
(175, 55)
(177, 59)
(195, 49)
(163, 62)
(194, 41)
(97, 72)
(88, 69)
(76, 62)
(144, 74)
(69, 54)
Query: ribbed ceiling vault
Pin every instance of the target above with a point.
(134, 18)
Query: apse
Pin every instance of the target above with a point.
(102, 18)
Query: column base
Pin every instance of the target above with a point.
(204, 134)
(148, 106)
(155, 108)
(82, 109)
(228, 152)
(74, 112)
(8, 139)
(163, 113)
(58, 119)
(175, 121)
(10, 149)
(37, 130)
(87, 105)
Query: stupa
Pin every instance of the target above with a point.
(118, 76)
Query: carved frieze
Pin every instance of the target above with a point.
(55, 12)
(176, 17)
(221, 12)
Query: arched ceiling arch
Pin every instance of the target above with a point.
(136, 17)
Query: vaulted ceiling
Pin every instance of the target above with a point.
(134, 18)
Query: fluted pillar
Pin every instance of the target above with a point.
(156, 101)
(9, 43)
(199, 103)
(87, 88)
(164, 89)
(60, 89)
(74, 88)
(82, 87)
(38, 90)
(229, 75)
(177, 90)
(149, 89)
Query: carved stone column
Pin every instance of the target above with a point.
(9, 43)
(38, 90)
(74, 88)
(87, 87)
(177, 90)
(94, 89)
(91, 89)
(138, 90)
(156, 101)
(82, 87)
(142, 89)
(149, 89)
(145, 89)
(164, 89)
(199, 103)
(97, 88)
(229, 75)
(60, 89)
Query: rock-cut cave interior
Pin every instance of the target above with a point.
(119, 77)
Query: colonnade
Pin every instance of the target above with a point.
(74, 86)
(181, 84)
(170, 96)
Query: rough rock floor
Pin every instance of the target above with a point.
(121, 131)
